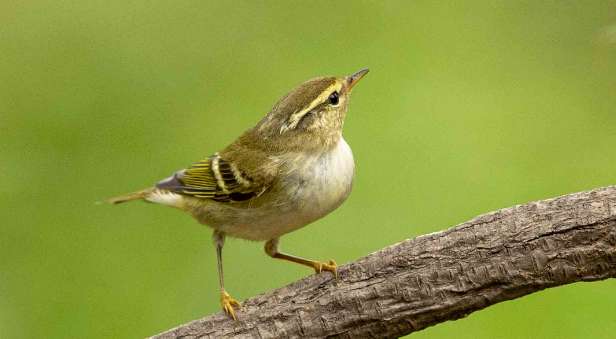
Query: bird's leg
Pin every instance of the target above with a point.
(271, 248)
(226, 301)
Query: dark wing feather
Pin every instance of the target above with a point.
(212, 178)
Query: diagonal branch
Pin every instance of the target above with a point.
(438, 277)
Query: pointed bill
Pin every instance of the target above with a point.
(354, 78)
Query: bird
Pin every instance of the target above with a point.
(292, 168)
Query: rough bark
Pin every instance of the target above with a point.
(437, 277)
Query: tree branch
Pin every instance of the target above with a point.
(438, 277)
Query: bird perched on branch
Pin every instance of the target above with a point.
(291, 169)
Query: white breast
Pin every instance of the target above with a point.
(323, 182)
(310, 187)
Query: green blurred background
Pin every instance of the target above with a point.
(468, 108)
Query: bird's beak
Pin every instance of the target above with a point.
(355, 77)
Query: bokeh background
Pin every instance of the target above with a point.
(469, 107)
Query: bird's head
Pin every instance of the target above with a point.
(311, 116)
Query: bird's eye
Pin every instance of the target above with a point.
(334, 98)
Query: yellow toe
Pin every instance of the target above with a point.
(229, 304)
(328, 266)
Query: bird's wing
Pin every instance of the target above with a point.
(213, 178)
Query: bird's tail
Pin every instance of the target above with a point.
(139, 195)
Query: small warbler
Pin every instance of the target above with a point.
(291, 169)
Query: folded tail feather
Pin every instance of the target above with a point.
(139, 195)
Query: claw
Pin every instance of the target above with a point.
(229, 304)
(328, 266)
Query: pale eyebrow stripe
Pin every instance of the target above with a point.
(296, 117)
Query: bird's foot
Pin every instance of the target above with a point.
(328, 266)
(229, 304)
